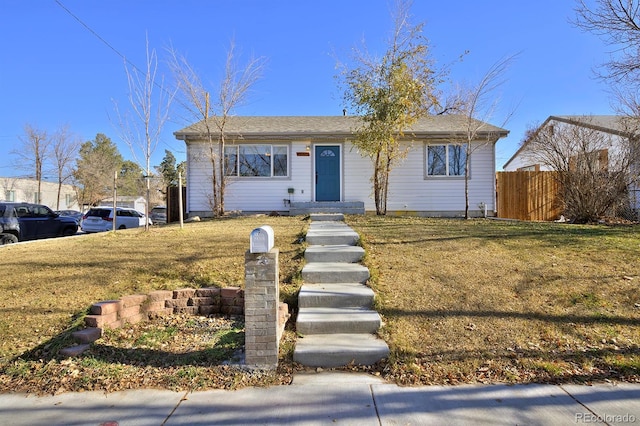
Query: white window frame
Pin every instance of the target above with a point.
(270, 154)
(447, 174)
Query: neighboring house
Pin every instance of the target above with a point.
(130, 202)
(26, 190)
(613, 128)
(293, 164)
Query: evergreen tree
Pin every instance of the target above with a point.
(95, 169)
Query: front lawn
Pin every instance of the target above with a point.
(462, 301)
(488, 300)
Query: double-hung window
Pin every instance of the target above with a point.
(263, 160)
(446, 160)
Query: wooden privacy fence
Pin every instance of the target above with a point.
(173, 204)
(528, 195)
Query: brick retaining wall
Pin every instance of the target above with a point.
(138, 307)
(135, 308)
(201, 301)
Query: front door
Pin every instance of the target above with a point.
(327, 172)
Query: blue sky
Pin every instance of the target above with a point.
(56, 72)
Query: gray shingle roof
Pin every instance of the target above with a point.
(250, 127)
(615, 124)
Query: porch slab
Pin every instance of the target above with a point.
(345, 207)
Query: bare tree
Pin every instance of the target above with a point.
(233, 91)
(64, 150)
(33, 154)
(8, 185)
(150, 102)
(594, 168)
(478, 105)
(617, 22)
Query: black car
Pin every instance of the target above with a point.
(71, 213)
(25, 221)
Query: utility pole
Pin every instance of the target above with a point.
(180, 199)
(115, 194)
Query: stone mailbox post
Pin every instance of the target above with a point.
(261, 300)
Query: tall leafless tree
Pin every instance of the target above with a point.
(478, 104)
(617, 22)
(33, 154)
(233, 91)
(149, 102)
(64, 150)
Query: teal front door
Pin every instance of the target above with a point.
(327, 173)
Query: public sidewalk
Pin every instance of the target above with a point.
(330, 398)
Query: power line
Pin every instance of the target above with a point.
(98, 36)
(116, 51)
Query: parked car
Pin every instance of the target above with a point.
(159, 214)
(25, 221)
(71, 213)
(100, 219)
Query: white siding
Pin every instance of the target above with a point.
(357, 184)
(410, 192)
(249, 194)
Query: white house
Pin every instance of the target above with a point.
(26, 191)
(612, 132)
(297, 164)
(131, 202)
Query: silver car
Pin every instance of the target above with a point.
(159, 214)
(100, 219)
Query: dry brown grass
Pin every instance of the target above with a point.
(484, 301)
(47, 284)
(462, 301)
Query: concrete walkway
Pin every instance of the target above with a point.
(335, 398)
(336, 322)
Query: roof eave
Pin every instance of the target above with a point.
(339, 135)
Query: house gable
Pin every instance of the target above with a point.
(611, 124)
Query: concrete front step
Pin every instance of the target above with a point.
(334, 253)
(338, 295)
(331, 233)
(323, 320)
(327, 217)
(334, 272)
(335, 350)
